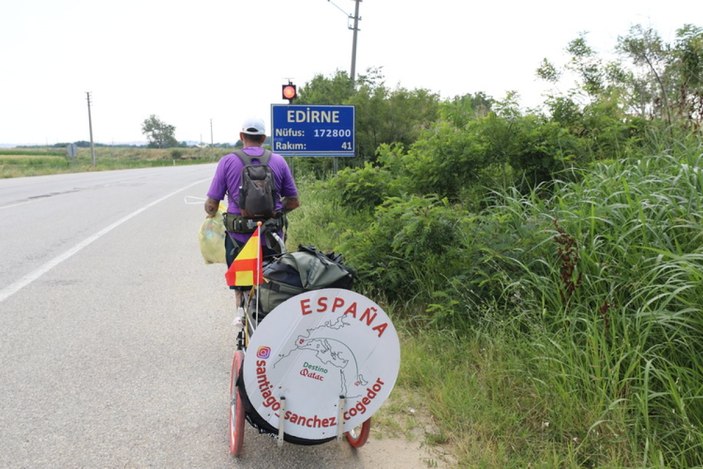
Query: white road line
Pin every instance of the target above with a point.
(13, 288)
(14, 205)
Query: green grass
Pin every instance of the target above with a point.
(21, 160)
(15, 152)
(622, 316)
(487, 408)
(39, 161)
(572, 338)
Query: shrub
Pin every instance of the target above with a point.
(361, 189)
(408, 250)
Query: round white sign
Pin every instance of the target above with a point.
(318, 349)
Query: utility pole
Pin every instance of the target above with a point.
(90, 126)
(354, 27)
(212, 142)
(356, 30)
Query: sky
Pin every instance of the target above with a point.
(205, 66)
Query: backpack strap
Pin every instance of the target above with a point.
(246, 159)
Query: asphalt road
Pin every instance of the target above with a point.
(115, 337)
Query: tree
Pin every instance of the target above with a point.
(646, 49)
(159, 134)
(462, 109)
(322, 90)
(673, 70)
(688, 52)
(655, 81)
(652, 84)
(382, 115)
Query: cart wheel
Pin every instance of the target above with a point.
(236, 407)
(357, 436)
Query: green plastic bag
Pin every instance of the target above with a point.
(212, 238)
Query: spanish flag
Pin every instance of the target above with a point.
(246, 269)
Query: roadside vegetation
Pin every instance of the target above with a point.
(544, 267)
(36, 161)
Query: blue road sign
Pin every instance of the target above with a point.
(312, 130)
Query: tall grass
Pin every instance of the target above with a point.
(620, 303)
(566, 330)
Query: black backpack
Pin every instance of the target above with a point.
(257, 186)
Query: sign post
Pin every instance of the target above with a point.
(313, 130)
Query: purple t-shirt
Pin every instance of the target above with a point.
(228, 174)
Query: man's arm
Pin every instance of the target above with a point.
(290, 203)
(211, 206)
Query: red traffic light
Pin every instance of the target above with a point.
(289, 92)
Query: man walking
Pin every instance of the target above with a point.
(228, 181)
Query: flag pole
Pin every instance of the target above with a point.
(257, 273)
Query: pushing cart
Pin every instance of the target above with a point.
(313, 370)
(317, 361)
(242, 409)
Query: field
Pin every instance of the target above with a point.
(35, 161)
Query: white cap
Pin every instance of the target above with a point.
(254, 126)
